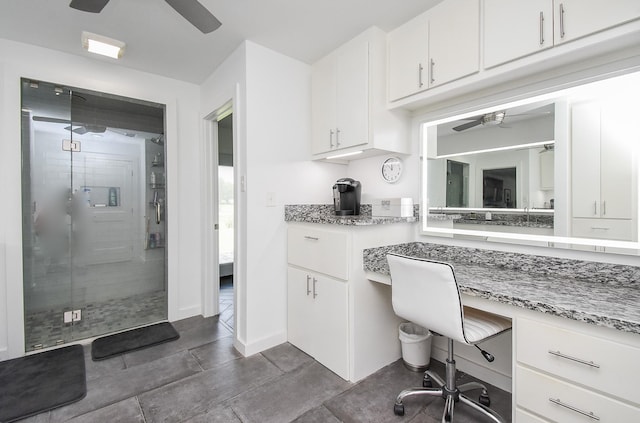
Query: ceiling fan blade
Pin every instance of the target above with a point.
(51, 120)
(92, 6)
(197, 14)
(467, 125)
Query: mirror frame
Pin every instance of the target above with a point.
(428, 140)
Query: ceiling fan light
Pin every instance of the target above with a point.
(99, 44)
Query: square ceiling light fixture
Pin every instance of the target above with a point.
(99, 44)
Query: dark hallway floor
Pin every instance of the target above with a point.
(202, 378)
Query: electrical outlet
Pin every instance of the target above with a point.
(271, 199)
(77, 315)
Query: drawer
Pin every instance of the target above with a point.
(556, 350)
(567, 403)
(524, 417)
(320, 250)
(616, 229)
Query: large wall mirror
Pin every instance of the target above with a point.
(557, 170)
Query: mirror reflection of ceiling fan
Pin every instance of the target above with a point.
(192, 10)
(493, 118)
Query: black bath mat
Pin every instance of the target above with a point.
(131, 340)
(39, 382)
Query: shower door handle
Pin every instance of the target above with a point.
(157, 212)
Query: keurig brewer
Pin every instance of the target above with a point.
(346, 197)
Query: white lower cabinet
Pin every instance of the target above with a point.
(566, 375)
(318, 318)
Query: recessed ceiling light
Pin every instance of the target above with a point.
(99, 44)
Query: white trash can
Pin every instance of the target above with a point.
(416, 346)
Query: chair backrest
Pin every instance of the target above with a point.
(425, 292)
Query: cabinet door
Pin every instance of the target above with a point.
(300, 318)
(585, 159)
(407, 51)
(516, 28)
(323, 105)
(352, 93)
(577, 18)
(619, 138)
(331, 329)
(454, 41)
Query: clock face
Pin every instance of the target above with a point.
(392, 169)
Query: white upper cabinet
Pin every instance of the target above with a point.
(340, 98)
(408, 56)
(454, 41)
(439, 46)
(604, 162)
(577, 18)
(348, 94)
(516, 28)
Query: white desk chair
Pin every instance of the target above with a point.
(425, 292)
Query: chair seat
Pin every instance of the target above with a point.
(479, 325)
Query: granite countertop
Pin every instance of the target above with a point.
(595, 293)
(324, 214)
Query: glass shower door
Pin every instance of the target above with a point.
(93, 232)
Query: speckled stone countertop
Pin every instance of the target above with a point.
(324, 214)
(597, 293)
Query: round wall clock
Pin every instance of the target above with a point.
(391, 169)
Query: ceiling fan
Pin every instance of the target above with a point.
(493, 118)
(191, 10)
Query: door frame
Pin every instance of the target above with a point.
(210, 241)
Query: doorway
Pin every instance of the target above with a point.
(94, 208)
(499, 188)
(457, 184)
(226, 212)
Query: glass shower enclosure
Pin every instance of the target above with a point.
(93, 201)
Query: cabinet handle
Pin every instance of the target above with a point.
(315, 294)
(595, 208)
(572, 408)
(561, 20)
(308, 290)
(420, 69)
(311, 238)
(577, 360)
(330, 138)
(337, 137)
(600, 228)
(431, 77)
(541, 28)
(604, 208)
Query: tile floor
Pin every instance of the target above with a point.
(202, 378)
(226, 301)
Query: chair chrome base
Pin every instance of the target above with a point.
(450, 392)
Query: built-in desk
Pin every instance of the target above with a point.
(576, 328)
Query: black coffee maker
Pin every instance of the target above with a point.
(346, 197)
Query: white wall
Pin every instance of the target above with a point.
(183, 171)
(272, 130)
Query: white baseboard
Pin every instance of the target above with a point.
(247, 349)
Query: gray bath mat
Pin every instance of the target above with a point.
(39, 382)
(131, 340)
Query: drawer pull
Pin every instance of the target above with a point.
(312, 238)
(572, 408)
(308, 279)
(577, 360)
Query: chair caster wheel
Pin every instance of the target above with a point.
(426, 382)
(484, 399)
(398, 409)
